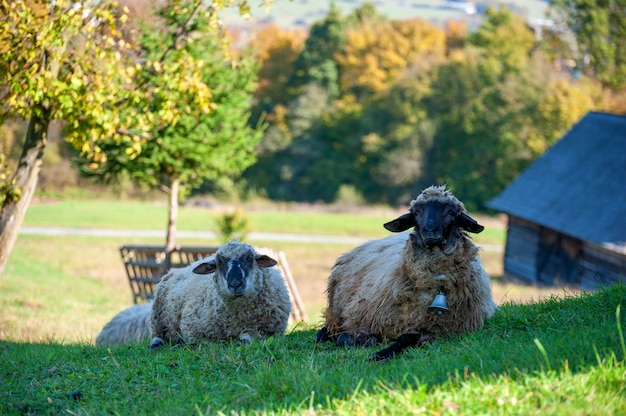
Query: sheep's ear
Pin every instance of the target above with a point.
(402, 223)
(207, 267)
(265, 261)
(468, 223)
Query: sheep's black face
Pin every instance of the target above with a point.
(438, 222)
(235, 272)
(435, 224)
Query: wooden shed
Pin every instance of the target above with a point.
(567, 211)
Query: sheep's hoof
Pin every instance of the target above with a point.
(180, 342)
(383, 355)
(344, 340)
(245, 338)
(322, 336)
(364, 339)
(370, 342)
(156, 343)
(378, 357)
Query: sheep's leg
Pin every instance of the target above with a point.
(157, 342)
(344, 339)
(179, 342)
(400, 344)
(322, 336)
(362, 339)
(365, 339)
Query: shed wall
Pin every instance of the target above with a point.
(530, 258)
(520, 257)
(599, 266)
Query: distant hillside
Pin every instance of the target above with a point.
(302, 13)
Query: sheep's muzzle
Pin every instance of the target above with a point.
(435, 243)
(236, 279)
(432, 236)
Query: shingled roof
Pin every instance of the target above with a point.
(578, 186)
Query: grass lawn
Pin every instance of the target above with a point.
(559, 356)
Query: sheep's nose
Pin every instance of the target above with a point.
(235, 279)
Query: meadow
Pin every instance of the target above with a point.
(548, 351)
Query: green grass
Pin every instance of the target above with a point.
(559, 356)
(135, 215)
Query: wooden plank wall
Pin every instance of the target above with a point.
(599, 266)
(521, 250)
(596, 265)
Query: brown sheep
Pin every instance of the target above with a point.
(382, 290)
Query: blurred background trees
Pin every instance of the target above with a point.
(385, 107)
(359, 106)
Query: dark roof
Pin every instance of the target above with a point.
(578, 186)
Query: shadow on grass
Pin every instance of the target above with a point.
(292, 374)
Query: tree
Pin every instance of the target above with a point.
(277, 50)
(396, 134)
(68, 60)
(316, 63)
(283, 169)
(210, 145)
(54, 61)
(497, 107)
(376, 54)
(599, 29)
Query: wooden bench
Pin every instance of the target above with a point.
(145, 265)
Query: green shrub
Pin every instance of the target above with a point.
(232, 226)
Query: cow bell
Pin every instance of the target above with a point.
(439, 305)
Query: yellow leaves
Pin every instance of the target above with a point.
(244, 10)
(124, 17)
(8, 191)
(76, 81)
(134, 150)
(371, 142)
(89, 78)
(375, 55)
(207, 107)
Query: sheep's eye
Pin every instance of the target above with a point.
(452, 212)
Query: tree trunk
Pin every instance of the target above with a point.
(170, 238)
(26, 176)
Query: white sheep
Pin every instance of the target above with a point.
(234, 293)
(382, 290)
(132, 325)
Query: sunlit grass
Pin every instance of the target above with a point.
(499, 370)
